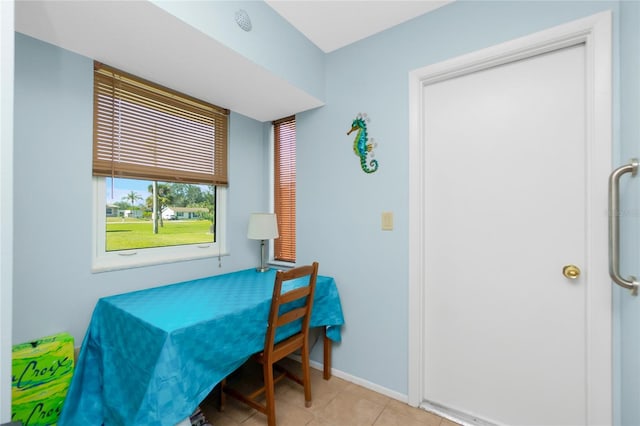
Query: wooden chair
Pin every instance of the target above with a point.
(274, 350)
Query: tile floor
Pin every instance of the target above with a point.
(336, 402)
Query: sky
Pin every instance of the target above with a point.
(122, 187)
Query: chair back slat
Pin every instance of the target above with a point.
(295, 294)
(299, 272)
(291, 316)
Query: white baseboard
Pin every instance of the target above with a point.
(361, 382)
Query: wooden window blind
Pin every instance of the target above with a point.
(285, 188)
(144, 131)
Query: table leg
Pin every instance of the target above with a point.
(327, 355)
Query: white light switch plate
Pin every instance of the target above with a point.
(387, 221)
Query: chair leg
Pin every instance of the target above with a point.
(306, 376)
(269, 394)
(222, 398)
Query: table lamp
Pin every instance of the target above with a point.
(262, 226)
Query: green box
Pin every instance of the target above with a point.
(40, 378)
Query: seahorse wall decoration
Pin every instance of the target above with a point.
(362, 145)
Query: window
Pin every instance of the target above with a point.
(160, 171)
(284, 136)
(184, 214)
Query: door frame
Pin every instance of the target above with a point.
(596, 33)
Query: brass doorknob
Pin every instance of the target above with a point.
(571, 271)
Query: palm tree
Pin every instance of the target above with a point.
(132, 197)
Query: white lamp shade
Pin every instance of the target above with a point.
(262, 226)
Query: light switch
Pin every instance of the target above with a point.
(387, 221)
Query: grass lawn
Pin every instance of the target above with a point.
(138, 233)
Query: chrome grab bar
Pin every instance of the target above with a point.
(614, 227)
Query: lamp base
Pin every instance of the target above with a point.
(263, 264)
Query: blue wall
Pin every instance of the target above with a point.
(54, 289)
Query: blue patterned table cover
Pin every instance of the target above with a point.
(151, 356)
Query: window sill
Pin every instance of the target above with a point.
(115, 263)
(278, 264)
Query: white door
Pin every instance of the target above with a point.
(508, 205)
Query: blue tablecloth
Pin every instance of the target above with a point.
(149, 357)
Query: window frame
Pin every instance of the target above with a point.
(103, 260)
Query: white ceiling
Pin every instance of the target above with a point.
(110, 32)
(332, 24)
